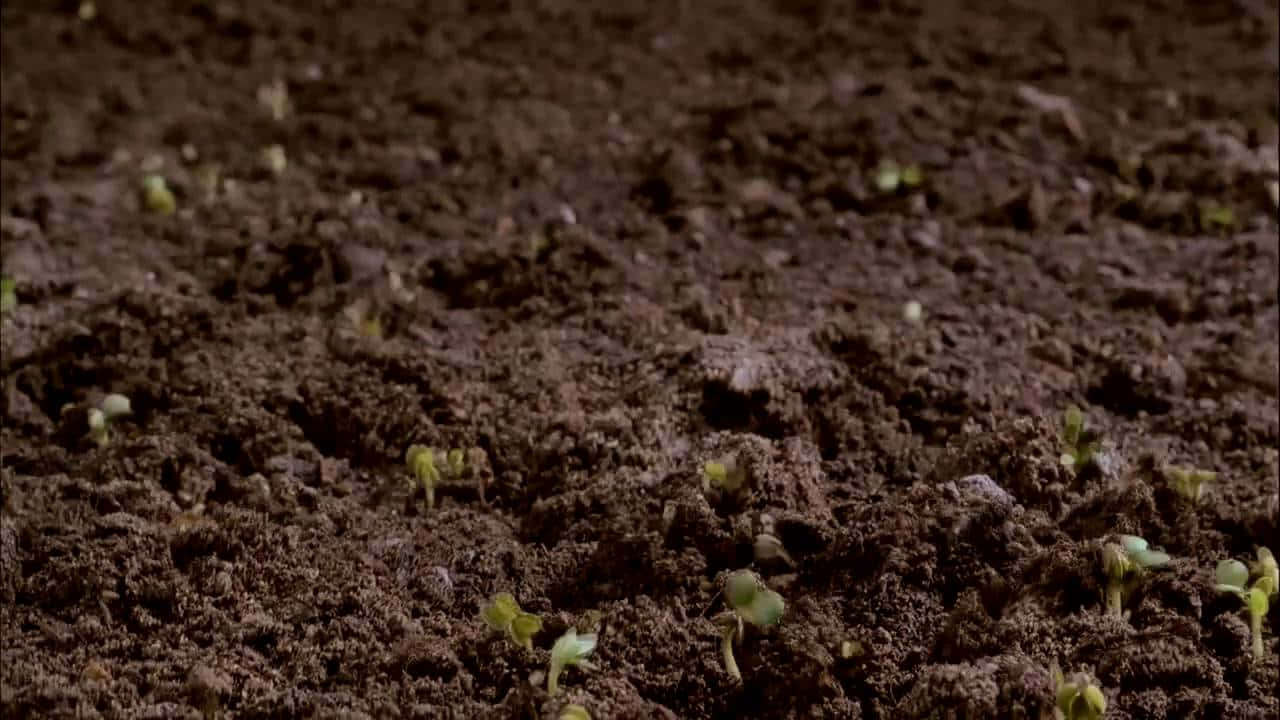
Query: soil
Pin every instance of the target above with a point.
(605, 243)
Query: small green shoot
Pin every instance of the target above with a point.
(768, 547)
(569, 649)
(890, 176)
(1125, 563)
(1216, 217)
(724, 476)
(1232, 577)
(1079, 444)
(1189, 483)
(1078, 698)
(273, 159)
(750, 601)
(8, 294)
(503, 614)
(102, 417)
(421, 462)
(157, 197)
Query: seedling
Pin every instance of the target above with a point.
(273, 159)
(750, 601)
(503, 614)
(157, 197)
(569, 649)
(1079, 444)
(8, 294)
(1216, 217)
(1078, 698)
(102, 417)
(1125, 563)
(1232, 577)
(768, 547)
(1189, 483)
(890, 176)
(724, 475)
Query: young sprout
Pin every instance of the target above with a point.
(1232, 577)
(1189, 483)
(503, 614)
(421, 461)
(1125, 563)
(157, 197)
(1216, 217)
(890, 176)
(749, 600)
(1078, 698)
(574, 712)
(724, 475)
(913, 311)
(1267, 572)
(1079, 445)
(8, 294)
(569, 649)
(101, 418)
(275, 98)
(768, 547)
(273, 159)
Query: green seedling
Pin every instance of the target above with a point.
(574, 712)
(1232, 576)
(768, 547)
(1078, 698)
(751, 602)
(1079, 444)
(569, 649)
(102, 417)
(421, 461)
(8, 294)
(273, 159)
(157, 197)
(1189, 483)
(724, 475)
(890, 176)
(1216, 217)
(503, 614)
(1125, 563)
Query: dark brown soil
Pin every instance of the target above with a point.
(606, 243)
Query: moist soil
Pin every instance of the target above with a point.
(598, 245)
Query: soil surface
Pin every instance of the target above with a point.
(598, 245)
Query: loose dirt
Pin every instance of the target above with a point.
(605, 243)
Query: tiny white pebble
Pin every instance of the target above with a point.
(912, 311)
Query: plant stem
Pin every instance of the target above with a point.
(1114, 607)
(1255, 629)
(726, 646)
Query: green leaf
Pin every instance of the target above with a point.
(569, 649)
(1132, 543)
(1232, 573)
(523, 627)
(1148, 559)
(8, 294)
(499, 612)
(740, 588)
(765, 609)
(1256, 601)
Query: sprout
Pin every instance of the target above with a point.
(274, 160)
(1231, 576)
(8, 294)
(157, 197)
(768, 547)
(1078, 698)
(724, 475)
(912, 176)
(503, 614)
(913, 311)
(1125, 563)
(421, 461)
(749, 600)
(1189, 483)
(569, 649)
(101, 418)
(574, 712)
(888, 177)
(1216, 217)
(1079, 445)
(1267, 571)
(275, 98)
